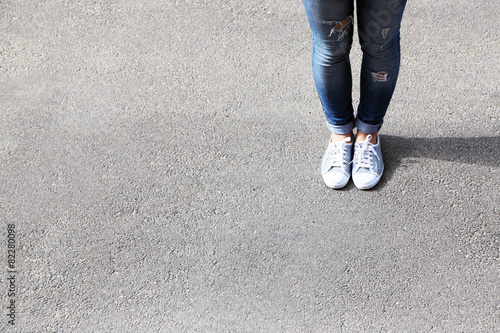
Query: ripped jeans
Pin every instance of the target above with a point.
(331, 24)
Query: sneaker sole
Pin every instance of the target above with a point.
(337, 186)
(371, 184)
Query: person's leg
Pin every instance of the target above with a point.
(331, 24)
(379, 22)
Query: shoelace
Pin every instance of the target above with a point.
(365, 156)
(338, 154)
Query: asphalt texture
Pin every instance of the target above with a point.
(160, 172)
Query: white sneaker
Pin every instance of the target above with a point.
(367, 164)
(336, 164)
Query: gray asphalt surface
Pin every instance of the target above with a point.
(160, 161)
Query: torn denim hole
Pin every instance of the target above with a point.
(340, 26)
(380, 76)
(384, 33)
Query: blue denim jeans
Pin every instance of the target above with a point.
(331, 24)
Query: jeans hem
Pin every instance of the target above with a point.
(367, 128)
(340, 129)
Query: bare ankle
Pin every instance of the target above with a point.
(340, 137)
(360, 137)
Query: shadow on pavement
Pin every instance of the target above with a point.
(482, 151)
